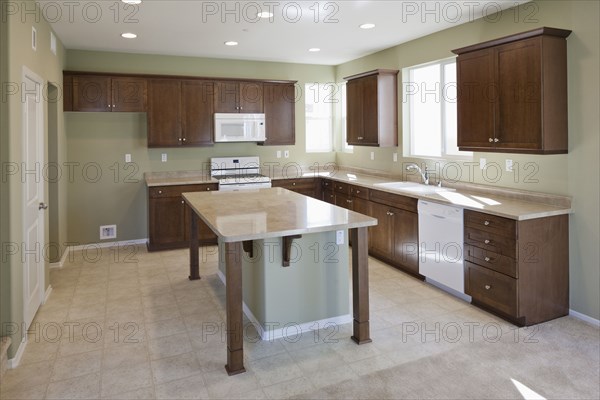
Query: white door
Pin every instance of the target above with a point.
(33, 194)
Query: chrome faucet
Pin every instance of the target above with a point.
(424, 175)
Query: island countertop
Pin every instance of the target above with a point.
(268, 213)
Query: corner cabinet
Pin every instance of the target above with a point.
(518, 269)
(512, 94)
(169, 218)
(372, 108)
(280, 113)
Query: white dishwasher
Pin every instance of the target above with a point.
(441, 244)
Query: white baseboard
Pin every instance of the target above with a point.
(14, 362)
(108, 244)
(61, 262)
(69, 249)
(47, 294)
(270, 335)
(585, 318)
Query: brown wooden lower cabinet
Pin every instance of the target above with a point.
(518, 269)
(169, 218)
(305, 186)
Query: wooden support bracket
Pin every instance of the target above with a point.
(287, 249)
(248, 246)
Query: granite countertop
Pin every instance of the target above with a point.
(268, 213)
(510, 203)
(177, 178)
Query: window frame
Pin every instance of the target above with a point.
(325, 90)
(407, 137)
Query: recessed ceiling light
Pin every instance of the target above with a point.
(128, 35)
(314, 49)
(132, 1)
(264, 14)
(231, 43)
(367, 26)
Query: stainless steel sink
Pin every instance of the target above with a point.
(413, 187)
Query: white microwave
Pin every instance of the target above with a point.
(239, 127)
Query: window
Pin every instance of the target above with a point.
(319, 117)
(429, 110)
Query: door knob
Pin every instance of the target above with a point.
(42, 206)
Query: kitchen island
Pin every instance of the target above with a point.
(240, 218)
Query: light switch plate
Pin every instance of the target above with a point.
(395, 156)
(339, 237)
(127, 158)
(509, 165)
(482, 163)
(372, 155)
(286, 154)
(278, 153)
(163, 157)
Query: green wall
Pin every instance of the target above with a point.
(573, 174)
(105, 138)
(16, 54)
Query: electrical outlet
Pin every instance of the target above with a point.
(108, 232)
(286, 154)
(372, 155)
(509, 165)
(482, 163)
(163, 157)
(127, 158)
(278, 153)
(339, 237)
(395, 157)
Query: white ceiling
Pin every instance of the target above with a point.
(200, 28)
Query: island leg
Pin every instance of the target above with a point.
(194, 246)
(360, 285)
(233, 304)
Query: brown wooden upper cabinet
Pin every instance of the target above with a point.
(180, 112)
(512, 94)
(238, 97)
(280, 113)
(372, 108)
(105, 93)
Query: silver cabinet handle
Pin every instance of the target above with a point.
(293, 183)
(182, 202)
(488, 287)
(490, 140)
(348, 201)
(496, 140)
(487, 241)
(486, 223)
(360, 138)
(160, 192)
(358, 191)
(487, 259)
(179, 139)
(42, 206)
(208, 189)
(184, 139)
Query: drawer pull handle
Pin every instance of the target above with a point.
(490, 140)
(293, 183)
(487, 259)
(358, 191)
(486, 223)
(488, 287)
(348, 201)
(160, 192)
(487, 241)
(208, 189)
(182, 202)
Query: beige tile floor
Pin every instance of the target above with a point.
(125, 324)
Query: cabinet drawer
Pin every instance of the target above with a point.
(327, 184)
(175, 191)
(294, 184)
(492, 289)
(491, 242)
(341, 187)
(360, 192)
(491, 260)
(491, 223)
(394, 200)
